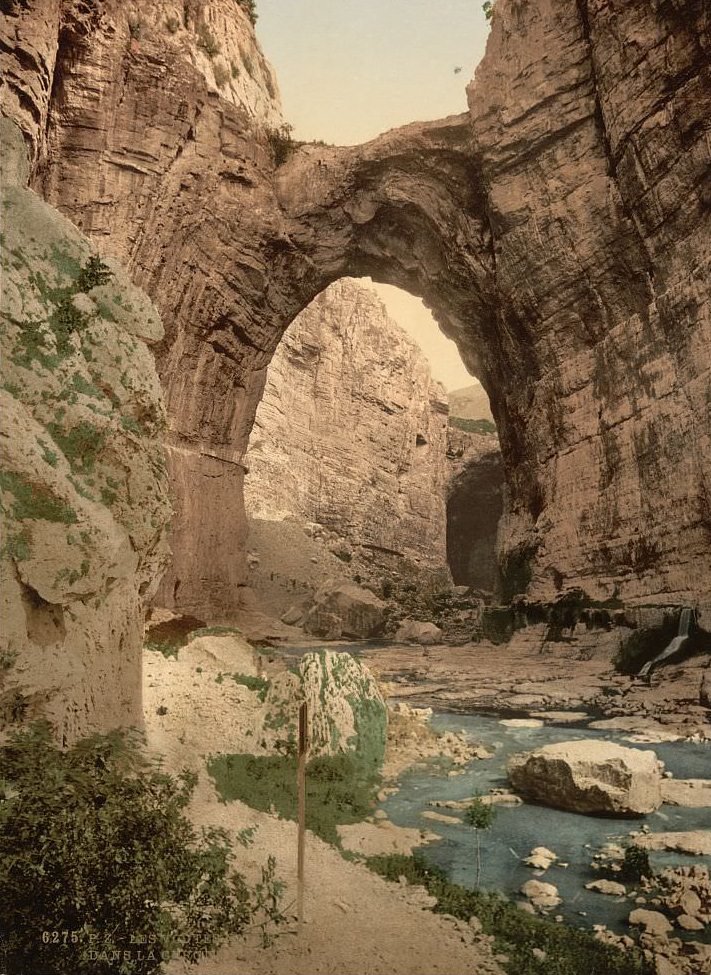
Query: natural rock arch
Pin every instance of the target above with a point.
(542, 227)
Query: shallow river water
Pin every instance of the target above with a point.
(516, 830)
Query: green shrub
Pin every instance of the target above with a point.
(636, 864)
(251, 7)
(34, 501)
(134, 26)
(94, 274)
(479, 815)
(472, 426)
(81, 445)
(94, 842)
(17, 546)
(65, 318)
(488, 8)
(569, 951)
(338, 790)
(281, 144)
(258, 684)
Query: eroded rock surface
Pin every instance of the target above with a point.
(589, 777)
(346, 711)
(558, 229)
(84, 490)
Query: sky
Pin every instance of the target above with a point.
(351, 69)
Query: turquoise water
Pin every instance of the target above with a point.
(516, 830)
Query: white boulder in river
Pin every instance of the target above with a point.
(595, 777)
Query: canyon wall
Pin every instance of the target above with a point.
(351, 431)
(83, 489)
(559, 230)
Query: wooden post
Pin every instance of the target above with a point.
(303, 748)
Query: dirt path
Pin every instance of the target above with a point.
(356, 923)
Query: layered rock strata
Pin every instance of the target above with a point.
(559, 230)
(351, 431)
(83, 488)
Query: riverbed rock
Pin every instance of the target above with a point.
(540, 858)
(521, 722)
(441, 818)
(610, 887)
(693, 793)
(540, 894)
(589, 777)
(346, 610)
(653, 922)
(414, 631)
(696, 841)
(689, 923)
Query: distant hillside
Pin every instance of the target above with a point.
(470, 403)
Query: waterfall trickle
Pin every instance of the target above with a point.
(676, 644)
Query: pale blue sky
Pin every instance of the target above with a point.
(351, 69)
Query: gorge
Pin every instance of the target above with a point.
(206, 417)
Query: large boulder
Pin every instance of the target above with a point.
(595, 777)
(414, 631)
(346, 610)
(346, 711)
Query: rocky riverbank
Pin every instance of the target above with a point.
(579, 681)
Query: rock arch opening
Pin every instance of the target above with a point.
(349, 465)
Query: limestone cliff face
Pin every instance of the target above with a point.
(83, 490)
(559, 230)
(351, 430)
(591, 130)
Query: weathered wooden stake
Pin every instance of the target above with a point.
(303, 748)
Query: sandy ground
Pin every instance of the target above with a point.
(355, 922)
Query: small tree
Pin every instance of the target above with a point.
(636, 863)
(480, 816)
(488, 9)
(101, 873)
